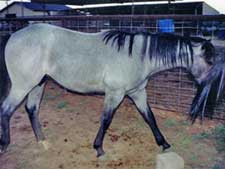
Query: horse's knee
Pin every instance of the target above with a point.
(31, 110)
(106, 117)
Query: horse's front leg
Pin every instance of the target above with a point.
(111, 102)
(140, 99)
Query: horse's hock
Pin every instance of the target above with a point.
(169, 160)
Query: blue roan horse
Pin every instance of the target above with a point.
(115, 63)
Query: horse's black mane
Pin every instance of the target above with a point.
(162, 46)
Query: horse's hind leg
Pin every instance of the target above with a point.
(140, 100)
(8, 107)
(32, 107)
(110, 104)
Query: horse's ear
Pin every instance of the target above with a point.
(208, 51)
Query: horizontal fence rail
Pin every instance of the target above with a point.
(171, 90)
(120, 17)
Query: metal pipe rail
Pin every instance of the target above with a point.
(119, 17)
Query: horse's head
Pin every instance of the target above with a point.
(203, 58)
(209, 73)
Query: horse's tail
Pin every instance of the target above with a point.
(4, 76)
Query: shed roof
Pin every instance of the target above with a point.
(86, 2)
(177, 7)
(39, 7)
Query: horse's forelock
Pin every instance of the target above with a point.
(206, 47)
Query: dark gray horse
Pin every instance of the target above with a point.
(115, 63)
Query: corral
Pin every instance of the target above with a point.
(74, 119)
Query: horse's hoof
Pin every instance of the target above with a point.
(165, 146)
(100, 152)
(3, 149)
(45, 144)
(105, 157)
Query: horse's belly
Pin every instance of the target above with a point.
(80, 85)
(91, 87)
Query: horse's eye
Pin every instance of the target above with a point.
(210, 62)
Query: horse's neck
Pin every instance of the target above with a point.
(156, 63)
(154, 67)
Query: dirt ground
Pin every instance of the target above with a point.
(70, 123)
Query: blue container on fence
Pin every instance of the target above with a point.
(166, 25)
(221, 34)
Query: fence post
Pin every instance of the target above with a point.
(131, 24)
(197, 28)
(156, 25)
(119, 24)
(182, 28)
(87, 25)
(78, 24)
(212, 34)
